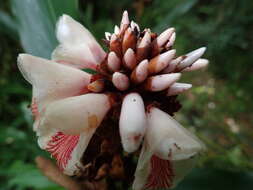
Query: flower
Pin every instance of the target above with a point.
(82, 119)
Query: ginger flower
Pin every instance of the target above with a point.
(94, 125)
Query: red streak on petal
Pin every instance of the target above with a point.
(34, 109)
(61, 147)
(161, 174)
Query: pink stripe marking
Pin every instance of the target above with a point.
(34, 109)
(161, 174)
(61, 147)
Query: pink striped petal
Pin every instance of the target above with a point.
(66, 149)
(169, 152)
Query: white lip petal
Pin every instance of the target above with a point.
(76, 114)
(132, 122)
(72, 32)
(79, 56)
(51, 81)
(168, 153)
(75, 41)
(167, 136)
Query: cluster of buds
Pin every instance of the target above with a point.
(94, 124)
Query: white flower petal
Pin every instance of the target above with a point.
(77, 45)
(76, 114)
(168, 153)
(70, 31)
(51, 81)
(78, 56)
(167, 135)
(132, 122)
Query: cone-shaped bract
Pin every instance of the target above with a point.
(178, 88)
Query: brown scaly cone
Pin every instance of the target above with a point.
(104, 159)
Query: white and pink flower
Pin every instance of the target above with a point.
(140, 69)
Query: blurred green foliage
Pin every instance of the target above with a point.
(218, 108)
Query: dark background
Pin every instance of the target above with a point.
(218, 107)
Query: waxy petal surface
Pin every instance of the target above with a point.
(132, 122)
(168, 153)
(76, 114)
(51, 81)
(78, 48)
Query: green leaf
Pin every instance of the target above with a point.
(36, 23)
(26, 176)
(59, 7)
(8, 25)
(176, 12)
(90, 71)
